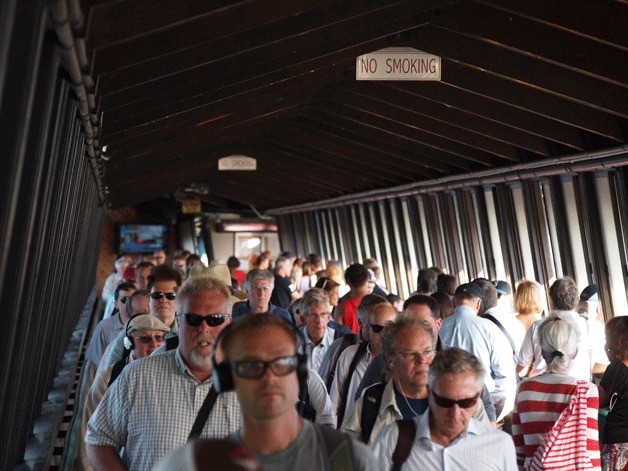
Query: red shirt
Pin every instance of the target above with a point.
(350, 313)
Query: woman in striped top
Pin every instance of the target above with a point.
(544, 436)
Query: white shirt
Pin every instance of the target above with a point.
(319, 399)
(530, 353)
(315, 353)
(480, 447)
(342, 371)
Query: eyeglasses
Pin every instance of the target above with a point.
(376, 328)
(211, 320)
(416, 357)
(449, 403)
(159, 295)
(146, 339)
(255, 369)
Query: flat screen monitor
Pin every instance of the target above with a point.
(142, 238)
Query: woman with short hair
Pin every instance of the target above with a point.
(554, 421)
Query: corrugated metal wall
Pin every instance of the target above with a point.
(541, 228)
(51, 220)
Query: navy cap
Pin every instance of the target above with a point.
(471, 289)
(287, 254)
(502, 287)
(590, 293)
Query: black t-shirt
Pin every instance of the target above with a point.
(615, 379)
(281, 292)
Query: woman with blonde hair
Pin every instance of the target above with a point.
(529, 302)
(555, 417)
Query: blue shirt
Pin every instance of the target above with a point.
(465, 329)
(245, 310)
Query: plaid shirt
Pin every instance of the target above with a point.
(150, 409)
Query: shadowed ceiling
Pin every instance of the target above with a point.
(179, 85)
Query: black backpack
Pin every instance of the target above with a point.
(360, 352)
(371, 402)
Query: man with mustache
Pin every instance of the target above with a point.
(153, 405)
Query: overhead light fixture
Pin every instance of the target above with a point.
(237, 162)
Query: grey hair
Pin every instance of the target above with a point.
(201, 283)
(367, 302)
(455, 360)
(558, 338)
(389, 334)
(258, 274)
(314, 297)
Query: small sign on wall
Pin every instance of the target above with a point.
(397, 63)
(190, 206)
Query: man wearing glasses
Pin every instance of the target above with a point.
(409, 346)
(446, 436)
(153, 405)
(163, 284)
(354, 360)
(266, 366)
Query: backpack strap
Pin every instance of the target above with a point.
(371, 402)
(337, 448)
(347, 341)
(345, 387)
(172, 342)
(407, 433)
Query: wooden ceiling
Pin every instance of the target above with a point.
(179, 85)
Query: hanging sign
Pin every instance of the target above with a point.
(397, 63)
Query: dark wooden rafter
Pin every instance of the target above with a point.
(178, 86)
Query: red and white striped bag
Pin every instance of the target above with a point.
(564, 447)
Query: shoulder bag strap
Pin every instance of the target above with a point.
(407, 432)
(203, 413)
(503, 329)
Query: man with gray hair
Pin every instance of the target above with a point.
(448, 435)
(282, 294)
(259, 286)
(409, 345)
(315, 313)
(155, 404)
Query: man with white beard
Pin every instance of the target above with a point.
(153, 405)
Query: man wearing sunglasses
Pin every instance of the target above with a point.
(409, 345)
(447, 436)
(163, 284)
(153, 405)
(354, 360)
(267, 368)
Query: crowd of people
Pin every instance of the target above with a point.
(291, 365)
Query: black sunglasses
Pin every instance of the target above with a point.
(159, 295)
(255, 369)
(447, 403)
(376, 328)
(211, 320)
